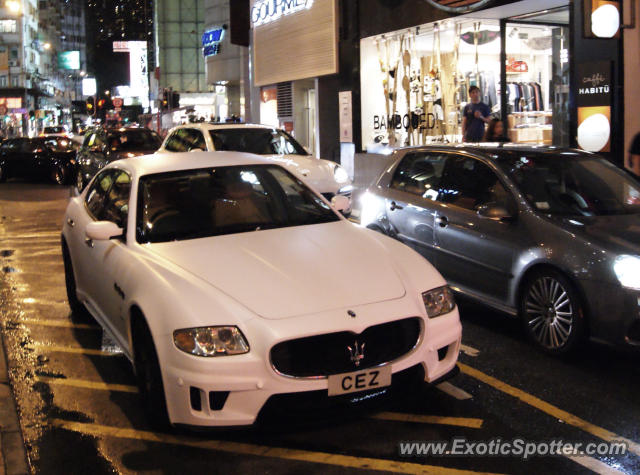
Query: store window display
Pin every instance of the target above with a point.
(415, 82)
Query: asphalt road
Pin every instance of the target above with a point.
(80, 411)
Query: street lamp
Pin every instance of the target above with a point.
(13, 6)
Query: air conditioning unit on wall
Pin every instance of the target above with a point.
(13, 62)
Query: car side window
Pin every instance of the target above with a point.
(96, 194)
(469, 183)
(184, 140)
(419, 173)
(9, 146)
(116, 205)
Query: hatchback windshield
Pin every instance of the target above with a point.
(208, 202)
(57, 129)
(258, 140)
(134, 140)
(573, 185)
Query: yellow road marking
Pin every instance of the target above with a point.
(260, 450)
(59, 323)
(550, 409)
(70, 349)
(79, 383)
(423, 419)
(469, 350)
(454, 391)
(594, 465)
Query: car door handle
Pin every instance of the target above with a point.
(393, 205)
(89, 242)
(71, 222)
(442, 221)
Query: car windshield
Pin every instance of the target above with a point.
(134, 140)
(257, 140)
(573, 184)
(224, 200)
(59, 129)
(59, 144)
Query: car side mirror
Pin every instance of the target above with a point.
(495, 211)
(103, 230)
(340, 203)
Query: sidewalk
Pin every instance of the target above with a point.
(13, 459)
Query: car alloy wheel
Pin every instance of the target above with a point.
(79, 181)
(77, 307)
(3, 173)
(58, 175)
(551, 312)
(148, 374)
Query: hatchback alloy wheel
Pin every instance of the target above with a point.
(551, 312)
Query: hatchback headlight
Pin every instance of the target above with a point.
(627, 269)
(340, 174)
(211, 341)
(438, 301)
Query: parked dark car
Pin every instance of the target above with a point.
(104, 145)
(40, 157)
(549, 234)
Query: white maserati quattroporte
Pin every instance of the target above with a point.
(228, 283)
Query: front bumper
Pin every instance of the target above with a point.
(233, 390)
(613, 313)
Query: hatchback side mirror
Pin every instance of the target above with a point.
(103, 230)
(495, 211)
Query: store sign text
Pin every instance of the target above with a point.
(397, 122)
(266, 11)
(211, 40)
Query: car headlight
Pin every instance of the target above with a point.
(627, 269)
(438, 301)
(340, 174)
(211, 341)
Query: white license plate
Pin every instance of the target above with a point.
(363, 380)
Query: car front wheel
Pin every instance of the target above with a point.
(3, 172)
(77, 308)
(79, 182)
(147, 368)
(58, 175)
(552, 312)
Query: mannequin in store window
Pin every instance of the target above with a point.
(495, 131)
(474, 117)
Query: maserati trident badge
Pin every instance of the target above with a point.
(356, 353)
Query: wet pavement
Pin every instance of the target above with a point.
(80, 412)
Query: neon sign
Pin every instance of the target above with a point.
(211, 40)
(266, 11)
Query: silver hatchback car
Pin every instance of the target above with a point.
(551, 235)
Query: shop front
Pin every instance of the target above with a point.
(294, 44)
(415, 81)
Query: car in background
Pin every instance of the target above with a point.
(56, 131)
(326, 176)
(52, 158)
(102, 145)
(231, 285)
(549, 234)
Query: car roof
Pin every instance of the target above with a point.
(495, 150)
(178, 161)
(222, 125)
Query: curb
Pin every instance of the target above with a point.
(13, 457)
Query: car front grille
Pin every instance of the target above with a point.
(323, 355)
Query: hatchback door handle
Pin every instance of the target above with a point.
(393, 205)
(442, 221)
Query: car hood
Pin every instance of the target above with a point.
(286, 272)
(616, 233)
(316, 172)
